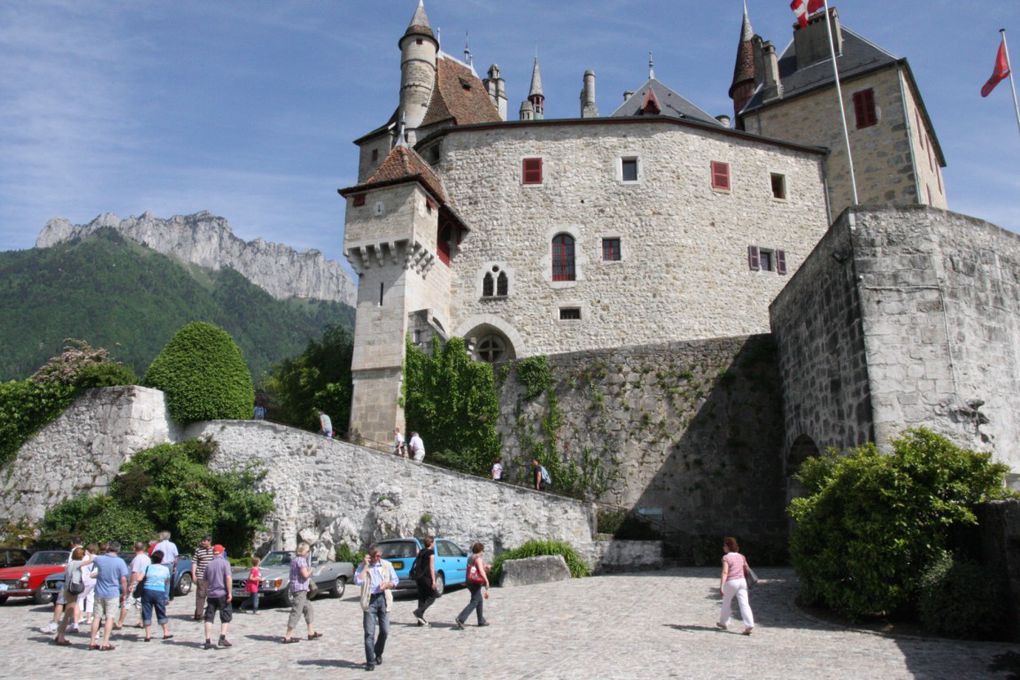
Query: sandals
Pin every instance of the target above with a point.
(148, 639)
(168, 637)
(315, 636)
(290, 641)
(92, 645)
(106, 648)
(62, 643)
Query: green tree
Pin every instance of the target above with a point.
(94, 519)
(203, 375)
(451, 401)
(319, 379)
(871, 523)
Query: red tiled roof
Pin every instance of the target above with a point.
(401, 164)
(459, 95)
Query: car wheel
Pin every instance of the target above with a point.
(340, 587)
(288, 598)
(3, 598)
(183, 585)
(39, 597)
(440, 584)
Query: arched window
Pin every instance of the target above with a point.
(563, 258)
(495, 283)
(502, 284)
(491, 349)
(487, 285)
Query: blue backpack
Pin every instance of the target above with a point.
(546, 479)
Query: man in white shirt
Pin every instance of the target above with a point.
(169, 550)
(377, 578)
(417, 447)
(398, 443)
(497, 471)
(138, 564)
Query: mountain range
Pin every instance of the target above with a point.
(100, 283)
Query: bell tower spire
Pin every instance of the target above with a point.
(744, 69)
(535, 94)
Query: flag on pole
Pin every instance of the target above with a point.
(1000, 73)
(803, 8)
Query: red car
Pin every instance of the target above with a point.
(28, 580)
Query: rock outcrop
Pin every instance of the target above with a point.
(206, 240)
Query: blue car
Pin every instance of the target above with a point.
(451, 561)
(182, 577)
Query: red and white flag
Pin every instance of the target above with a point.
(803, 8)
(1001, 71)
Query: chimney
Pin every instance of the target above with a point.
(588, 107)
(810, 42)
(772, 87)
(723, 119)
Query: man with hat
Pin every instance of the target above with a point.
(220, 584)
(199, 560)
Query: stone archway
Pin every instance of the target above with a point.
(489, 344)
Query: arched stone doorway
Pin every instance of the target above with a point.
(803, 447)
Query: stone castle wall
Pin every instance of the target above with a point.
(684, 269)
(83, 449)
(904, 317)
(691, 434)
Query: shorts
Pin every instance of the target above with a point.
(62, 596)
(218, 604)
(108, 607)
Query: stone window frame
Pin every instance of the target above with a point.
(639, 167)
(570, 313)
(542, 170)
(785, 186)
(487, 270)
(580, 256)
(580, 306)
(602, 248)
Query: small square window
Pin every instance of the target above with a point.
(570, 313)
(778, 185)
(766, 260)
(720, 175)
(629, 169)
(359, 200)
(611, 249)
(532, 171)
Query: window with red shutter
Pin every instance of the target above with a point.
(752, 258)
(359, 200)
(563, 258)
(780, 261)
(375, 155)
(532, 171)
(720, 175)
(864, 108)
(611, 249)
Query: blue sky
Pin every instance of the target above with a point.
(248, 109)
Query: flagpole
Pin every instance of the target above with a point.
(1012, 84)
(842, 109)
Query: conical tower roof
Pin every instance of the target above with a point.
(743, 69)
(420, 24)
(536, 81)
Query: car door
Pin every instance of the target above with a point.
(454, 562)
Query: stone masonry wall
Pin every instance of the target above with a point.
(689, 433)
(83, 449)
(328, 492)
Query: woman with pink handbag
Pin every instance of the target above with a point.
(477, 578)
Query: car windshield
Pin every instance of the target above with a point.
(398, 549)
(47, 557)
(277, 558)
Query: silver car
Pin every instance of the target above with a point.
(330, 577)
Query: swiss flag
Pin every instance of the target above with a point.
(802, 8)
(1000, 72)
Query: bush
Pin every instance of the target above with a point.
(203, 375)
(25, 407)
(95, 519)
(958, 599)
(536, 548)
(871, 522)
(344, 553)
(108, 374)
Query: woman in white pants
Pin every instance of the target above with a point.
(87, 597)
(732, 583)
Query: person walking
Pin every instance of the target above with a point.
(200, 559)
(417, 447)
(477, 578)
(59, 603)
(325, 425)
(252, 585)
(72, 586)
(299, 586)
(377, 579)
(138, 564)
(170, 555)
(155, 589)
(732, 583)
(540, 475)
(111, 592)
(398, 443)
(218, 597)
(87, 597)
(425, 579)
(497, 470)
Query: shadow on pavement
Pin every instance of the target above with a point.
(1007, 662)
(331, 663)
(701, 629)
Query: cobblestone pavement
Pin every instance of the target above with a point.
(651, 625)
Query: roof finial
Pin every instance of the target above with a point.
(468, 59)
(439, 35)
(651, 66)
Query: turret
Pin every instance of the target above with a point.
(535, 94)
(744, 69)
(418, 50)
(527, 111)
(588, 107)
(496, 87)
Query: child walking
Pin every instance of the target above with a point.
(251, 586)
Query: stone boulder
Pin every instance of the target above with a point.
(530, 570)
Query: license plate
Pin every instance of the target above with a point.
(3, 587)
(398, 564)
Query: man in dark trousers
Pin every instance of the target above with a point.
(199, 561)
(377, 579)
(425, 579)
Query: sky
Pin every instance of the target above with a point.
(248, 109)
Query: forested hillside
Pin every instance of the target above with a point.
(131, 300)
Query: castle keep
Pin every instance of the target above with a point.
(659, 223)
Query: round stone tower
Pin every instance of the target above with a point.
(418, 50)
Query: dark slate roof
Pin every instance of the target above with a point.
(671, 103)
(402, 165)
(859, 56)
(459, 95)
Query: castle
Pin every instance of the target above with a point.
(541, 236)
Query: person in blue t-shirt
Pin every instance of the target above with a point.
(111, 591)
(154, 594)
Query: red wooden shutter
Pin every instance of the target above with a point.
(532, 171)
(359, 199)
(720, 175)
(780, 261)
(753, 261)
(864, 108)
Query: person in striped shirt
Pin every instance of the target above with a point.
(199, 560)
